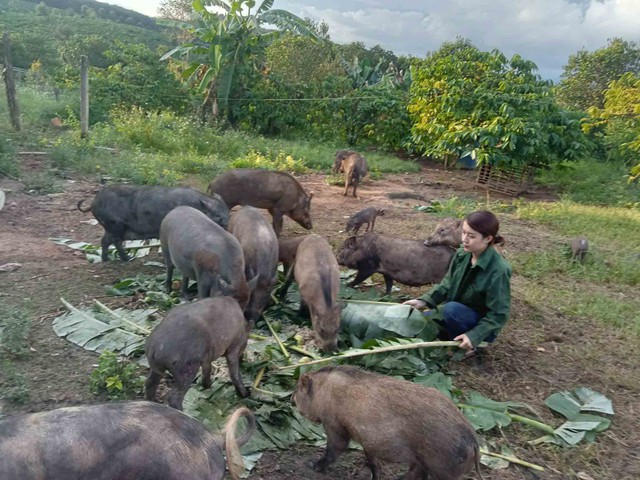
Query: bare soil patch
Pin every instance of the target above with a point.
(540, 351)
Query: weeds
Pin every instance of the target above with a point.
(14, 332)
(15, 390)
(41, 183)
(117, 376)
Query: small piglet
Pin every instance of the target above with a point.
(579, 248)
(194, 335)
(367, 215)
(394, 420)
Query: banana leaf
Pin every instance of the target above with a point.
(571, 403)
(100, 331)
(365, 320)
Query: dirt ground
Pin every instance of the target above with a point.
(539, 352)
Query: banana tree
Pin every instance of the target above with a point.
(227, 34)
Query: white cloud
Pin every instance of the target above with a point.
(545, 31)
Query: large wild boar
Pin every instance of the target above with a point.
(409, 262)
(194, 335)
(579, 249)
(121, 440)
(447, 232)
(394, 420)
(204, 251)
(353, 165)
(260, 246)
(366, 215)
(133, 212)
(278, 192)
(318, 277)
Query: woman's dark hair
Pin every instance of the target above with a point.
(485, 223)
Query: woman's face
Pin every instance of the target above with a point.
(473, 241)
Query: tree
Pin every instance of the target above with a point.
(465, 101)
(587, 74)
(618, 122)
(176, 9)
(227, 41)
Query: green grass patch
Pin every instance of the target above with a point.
(574, 300)
(592, 181)
(610, 228)
(599, 266)
(14, 331)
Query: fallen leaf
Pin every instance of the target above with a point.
(10, 267)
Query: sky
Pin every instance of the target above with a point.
(544, 31)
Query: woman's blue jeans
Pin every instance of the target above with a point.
(457, 319)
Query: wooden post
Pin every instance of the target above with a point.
(12, 99)
(84, 96)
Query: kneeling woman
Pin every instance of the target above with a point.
(474, 297)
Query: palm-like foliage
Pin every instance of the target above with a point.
(223, 42)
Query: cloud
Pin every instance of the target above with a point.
(545, 31)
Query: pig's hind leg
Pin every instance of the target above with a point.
(417, 472)
(374, 465)
(151, 385)
(233, 354)
(182, 380)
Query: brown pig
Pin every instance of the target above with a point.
(447, 232)
(260, 247)
(579, 249)
(278, 192)
(367, 215)
(394, 420)
(287, 249)
(318, 277)
(194, 335)
(353, 165)
(409, 262)
(203, 250)
(119, 440)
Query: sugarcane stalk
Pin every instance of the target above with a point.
(373, 351)
(275, 335)
(146, 331)
(512, 460)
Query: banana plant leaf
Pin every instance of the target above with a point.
(571, 404)
(135, 248)
(100, 331)
(366, 320)
(485, 414)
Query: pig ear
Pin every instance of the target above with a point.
(306, 383)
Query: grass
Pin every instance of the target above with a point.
(14, 332)
(583, 182)
(14, 335)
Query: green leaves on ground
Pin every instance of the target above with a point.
(98, 330)
(135, 248)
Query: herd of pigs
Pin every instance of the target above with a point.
(234, 259)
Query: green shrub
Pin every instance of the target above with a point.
(280, 161)
(116, 376)
(41, 183)
(15, 390)
(8, 161)
(14, 331)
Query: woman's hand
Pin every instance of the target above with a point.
(466, 343)
(416, 303)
